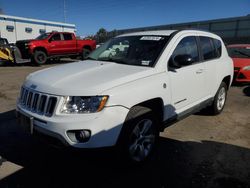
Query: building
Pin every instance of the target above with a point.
(232, 30)
(17, 28)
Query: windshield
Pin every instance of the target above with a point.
(43, 36)
(239, 52)
(131, 50)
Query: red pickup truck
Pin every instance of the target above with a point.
(54, 45)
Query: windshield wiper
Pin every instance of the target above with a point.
(242, 53)
(90, 58)
(120, 61)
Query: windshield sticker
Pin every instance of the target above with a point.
(146, 63)
(151, 38)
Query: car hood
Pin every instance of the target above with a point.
(85, 78)
(241, 62)
(27, 41)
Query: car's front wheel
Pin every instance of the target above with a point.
(139, 134)
(40, 57)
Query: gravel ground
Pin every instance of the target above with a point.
(199, 151)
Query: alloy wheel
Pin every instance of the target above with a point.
(142, 140)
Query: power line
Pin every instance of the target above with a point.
(64, 10)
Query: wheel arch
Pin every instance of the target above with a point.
(157, 106)
(40, 49)
(87, 47)
(227, 81)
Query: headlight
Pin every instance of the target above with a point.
(246, 68)
(26, 45)
(79, 104)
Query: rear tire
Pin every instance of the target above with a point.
(40, 57)
(139, 135)
(55, 60)
(219, 100)
(85, 53)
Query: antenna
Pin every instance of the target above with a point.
(64, 10)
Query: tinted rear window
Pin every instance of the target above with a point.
(207, 48)
(217, 45)
(67, 36)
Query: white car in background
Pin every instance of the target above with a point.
(98, 45)
(125, 97)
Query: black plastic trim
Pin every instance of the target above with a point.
(186, 113)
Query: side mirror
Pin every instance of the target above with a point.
(184, 59)
(180, 60)
(174, 64)
(51, 39)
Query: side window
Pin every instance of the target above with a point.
(186, 47)
(207, 49)
(217, 45)
(67, 36)
(56, 37)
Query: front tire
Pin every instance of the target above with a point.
(40, 57)
(219, 100)
(139, 135)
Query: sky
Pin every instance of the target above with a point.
(89, 16)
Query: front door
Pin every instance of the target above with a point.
(55, 44)
(187, 81)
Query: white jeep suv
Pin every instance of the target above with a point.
(128, 90)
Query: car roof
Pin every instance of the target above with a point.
(161, 32)
(59, 32)
(169, 32)
(238, 46)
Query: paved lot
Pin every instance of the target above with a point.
(200, 151)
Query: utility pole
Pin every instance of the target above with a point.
(64, 10)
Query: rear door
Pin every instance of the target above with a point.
(69, 43)
(187, 82)
(210, 54)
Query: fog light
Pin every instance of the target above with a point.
(79, 135)
(83, 135)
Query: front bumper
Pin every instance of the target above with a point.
(105, 126)
(25, 51)
(241, 75)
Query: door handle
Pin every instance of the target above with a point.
(199, 71)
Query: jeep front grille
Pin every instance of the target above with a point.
(37, 102)
(23, 50)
